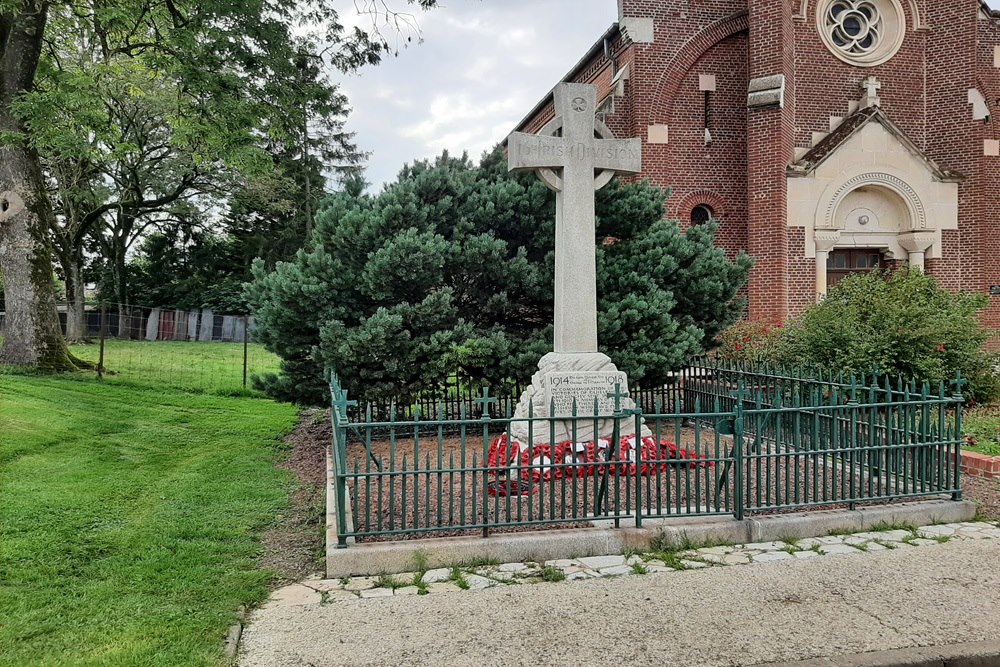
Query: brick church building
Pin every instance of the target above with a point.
(827, 137)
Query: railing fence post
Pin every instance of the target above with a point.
(738, 450)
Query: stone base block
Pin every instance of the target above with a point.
(537, 400)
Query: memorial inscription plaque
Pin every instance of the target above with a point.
(563, 386)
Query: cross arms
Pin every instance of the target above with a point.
(534, 151)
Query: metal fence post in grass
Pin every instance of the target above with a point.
(103, 335)
(246, 347)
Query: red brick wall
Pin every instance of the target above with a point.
(715, 174)
(988, 181)
(770, 141)
(801, 273)
(825, 84)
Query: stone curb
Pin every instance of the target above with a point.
(975, 654)
(232, 644)
(394, 557)
(331, 508)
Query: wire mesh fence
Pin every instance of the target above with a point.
(189, 350)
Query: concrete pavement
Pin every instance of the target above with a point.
(781, 611)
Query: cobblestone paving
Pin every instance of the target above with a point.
(451, 580)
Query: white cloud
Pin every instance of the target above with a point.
(480, 68)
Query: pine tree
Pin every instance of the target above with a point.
(450, 269)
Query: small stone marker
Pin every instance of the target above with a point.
(180, 325)
(582, 150)
(192, 325)
(240, 330)
(207, 326)
(153, 325)
(228, 328)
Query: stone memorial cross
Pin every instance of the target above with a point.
(575, 155)
(587, 158)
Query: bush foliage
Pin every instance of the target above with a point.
(450, 269)
(901, 324)
(753, 342)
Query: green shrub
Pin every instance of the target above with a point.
(981, 429)
(902, 324)
(754, 342)
(450, 269)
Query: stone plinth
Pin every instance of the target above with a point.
(562, 377)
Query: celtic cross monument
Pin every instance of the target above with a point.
(575, 155)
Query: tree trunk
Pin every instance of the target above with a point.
(118, 266)
(76, 323)
(32, 332)
(32, 335)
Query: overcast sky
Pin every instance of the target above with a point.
(482, 66)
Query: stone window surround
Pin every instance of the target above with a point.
(893, 32)
(917, 19)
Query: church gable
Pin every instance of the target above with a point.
(867, 185)
(866, 135)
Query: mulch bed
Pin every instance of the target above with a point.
(293, 545)
(985, 493)
(565, 500)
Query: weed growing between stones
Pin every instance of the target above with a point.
(458, 577)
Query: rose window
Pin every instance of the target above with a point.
(862, 32)
(855, 26)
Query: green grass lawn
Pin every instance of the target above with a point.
(130, 518)
(981, 426)
(213, 368)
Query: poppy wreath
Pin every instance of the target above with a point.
(633, 456)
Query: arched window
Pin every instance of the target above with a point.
(701, 214)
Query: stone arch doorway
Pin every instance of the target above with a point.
(870, 221)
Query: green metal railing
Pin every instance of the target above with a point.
(745, 441)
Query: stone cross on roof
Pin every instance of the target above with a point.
(871, 99)
(587, 157)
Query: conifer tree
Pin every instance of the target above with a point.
(450, 269)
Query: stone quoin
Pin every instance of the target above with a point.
(824, 136)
